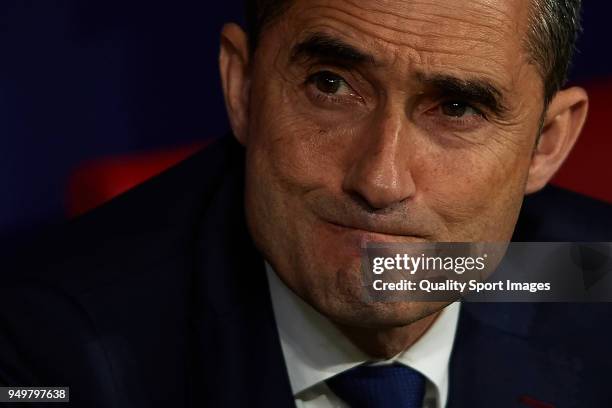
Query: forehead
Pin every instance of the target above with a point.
(480, 37)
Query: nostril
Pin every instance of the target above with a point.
(362, 202)
(374, 205)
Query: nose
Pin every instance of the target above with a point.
(380, 175)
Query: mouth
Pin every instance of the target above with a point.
(346, 216)
(360, 236)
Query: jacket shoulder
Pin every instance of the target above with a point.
(555, 214)
(146, 225)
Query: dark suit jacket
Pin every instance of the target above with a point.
(159, 299)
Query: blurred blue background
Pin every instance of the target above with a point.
(80, 79)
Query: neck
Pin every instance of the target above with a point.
(387, 343)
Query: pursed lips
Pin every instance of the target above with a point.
(382, 233)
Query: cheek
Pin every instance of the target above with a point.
(477, 191)
(296, 151)
(287, 156)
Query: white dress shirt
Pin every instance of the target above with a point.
(316, 350)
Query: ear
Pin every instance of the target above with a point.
(234, 66)
(563, 122)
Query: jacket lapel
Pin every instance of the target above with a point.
(238, 356)
(497, 362)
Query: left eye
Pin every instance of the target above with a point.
(458, 109)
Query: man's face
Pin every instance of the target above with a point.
(386, 121)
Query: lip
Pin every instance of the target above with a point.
(380, 231)
(357, 238)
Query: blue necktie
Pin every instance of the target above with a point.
(384, 386)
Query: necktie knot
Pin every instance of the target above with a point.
(382, 386)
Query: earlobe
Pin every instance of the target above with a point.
(234, 67)
(562, 125)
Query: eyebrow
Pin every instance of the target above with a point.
(327, 48)
(476, 90)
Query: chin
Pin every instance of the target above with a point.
(350, 308)
(392, 315)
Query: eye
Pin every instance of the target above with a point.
(331, 84)
(456, 115)
(331, 91)
(458, 109)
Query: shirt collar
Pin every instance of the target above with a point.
(315, 349)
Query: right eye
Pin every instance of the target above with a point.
(330, 88)
(330, 83)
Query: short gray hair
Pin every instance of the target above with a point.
(551, 41)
